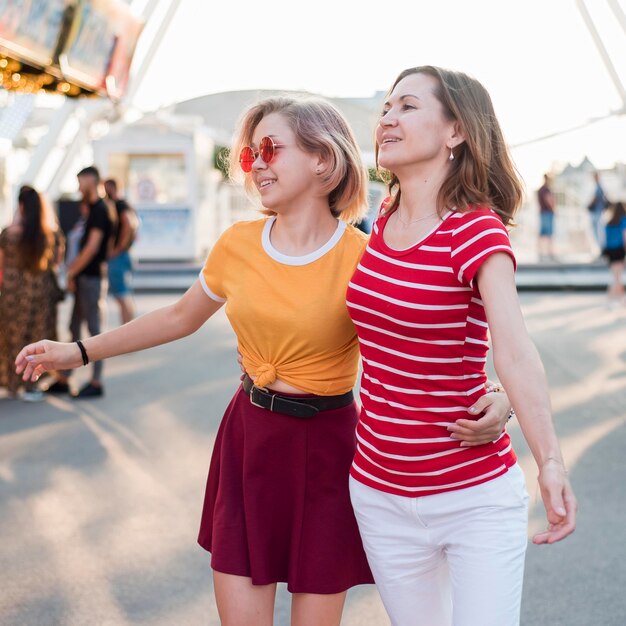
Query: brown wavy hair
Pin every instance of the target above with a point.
(319, 128)
(482, 172)
(36, 246)
(617, 213)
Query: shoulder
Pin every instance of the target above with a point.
(246, 228)
(10, 232)
(475, 216)
(355, 238)
(99, 210)
(243, 233)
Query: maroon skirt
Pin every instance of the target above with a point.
(277, 505)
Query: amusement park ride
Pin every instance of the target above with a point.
(87, 51)
(83, 50)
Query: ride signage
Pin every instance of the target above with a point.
(71, 46)
(31, 29)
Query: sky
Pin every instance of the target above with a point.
(536, 58)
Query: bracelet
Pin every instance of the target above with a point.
(83, 352)
(498, 388)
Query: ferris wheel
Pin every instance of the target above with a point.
(608, 64)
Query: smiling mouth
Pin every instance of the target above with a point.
(390, 140)
(266, 183)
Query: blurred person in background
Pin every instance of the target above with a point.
(596, 207)
(87, 279)
(74, 235)
(119, 262)
(30, 250)
(547, 210)
(614, 252)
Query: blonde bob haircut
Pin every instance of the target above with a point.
(319, 129)
(482, 172)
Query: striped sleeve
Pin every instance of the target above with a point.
(477, 235)
(212, 275)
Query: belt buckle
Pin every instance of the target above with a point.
(267, 391)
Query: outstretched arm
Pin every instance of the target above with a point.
(158, 327)
(520, 369)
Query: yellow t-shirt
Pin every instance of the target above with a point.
(289, 313)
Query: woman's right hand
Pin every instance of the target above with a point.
(43, 356)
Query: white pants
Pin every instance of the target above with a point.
(451, 558)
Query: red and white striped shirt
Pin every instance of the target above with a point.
(423, 338)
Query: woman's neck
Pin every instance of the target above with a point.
(420, 190)
(296, 233)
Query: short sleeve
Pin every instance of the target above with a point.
(212, 274)
(478, 235)
(100, 218)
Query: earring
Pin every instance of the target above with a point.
(451, 157)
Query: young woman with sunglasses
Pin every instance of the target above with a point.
(277, 505)
(445, 527)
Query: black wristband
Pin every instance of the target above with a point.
(83, 352)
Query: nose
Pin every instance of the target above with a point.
(388, 119)
(259, 163)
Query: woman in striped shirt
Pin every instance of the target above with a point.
(445, 526)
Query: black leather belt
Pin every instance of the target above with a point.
(296, 407)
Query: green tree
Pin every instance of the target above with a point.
(221, 154)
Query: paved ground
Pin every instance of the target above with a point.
(100, 501)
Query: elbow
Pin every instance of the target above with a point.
(182, 324)
(515, 358)
(503, 363)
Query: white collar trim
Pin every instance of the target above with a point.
(299, 260)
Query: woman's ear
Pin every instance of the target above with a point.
(457, 136)
(320, 164)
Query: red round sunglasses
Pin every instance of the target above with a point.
(267, 151)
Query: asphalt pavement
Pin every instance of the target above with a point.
(100, 500)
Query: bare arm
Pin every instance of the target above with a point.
(60, 252)
(158, 327)
(124, 235)
(89, 251)
(520, 369)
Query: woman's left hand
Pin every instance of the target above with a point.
(559, 502)
(496, 408)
